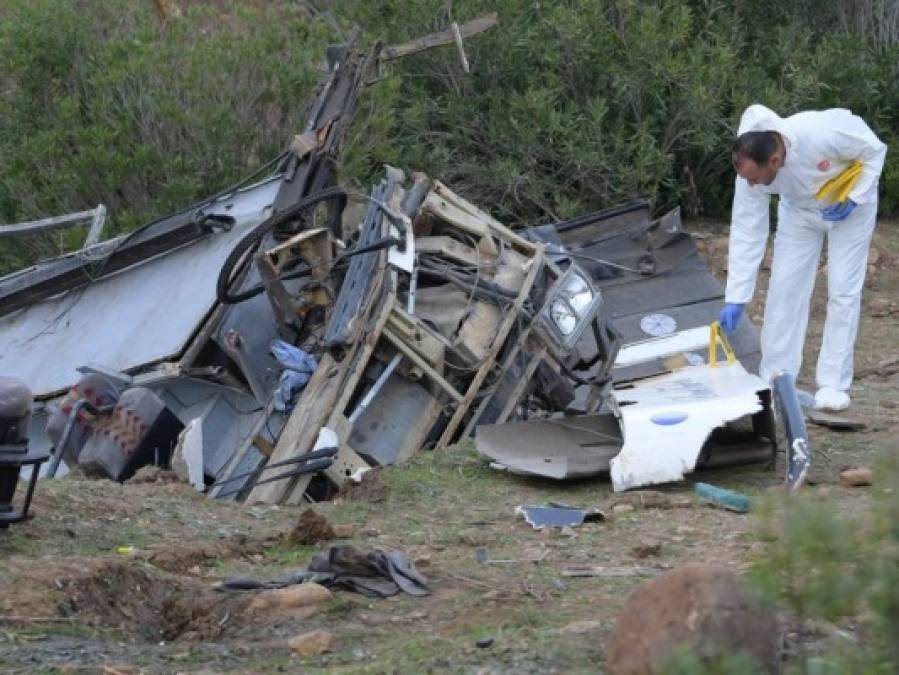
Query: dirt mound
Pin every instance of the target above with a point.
(311, 528)
(125, 596)
(371, 489)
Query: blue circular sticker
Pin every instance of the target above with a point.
(669, 418)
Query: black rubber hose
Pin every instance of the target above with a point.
(255, 236)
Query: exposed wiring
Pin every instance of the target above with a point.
(254, 238)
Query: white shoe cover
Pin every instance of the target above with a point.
(831, 399)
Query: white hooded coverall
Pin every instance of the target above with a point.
(819, 146)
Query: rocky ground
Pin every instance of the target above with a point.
(119, 578)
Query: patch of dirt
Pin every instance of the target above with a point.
(154, 474)
(311, 529)
(370, 489)
(182, 559)
(134, 601)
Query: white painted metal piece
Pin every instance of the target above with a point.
(405, 260)
(140, 315)
(665, 421)
(189, 453)
(648, 350)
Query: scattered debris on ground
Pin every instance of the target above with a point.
(725, 499)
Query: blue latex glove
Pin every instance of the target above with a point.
(838, 211)
(730, 316)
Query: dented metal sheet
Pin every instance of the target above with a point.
(666, 421)
(560, 447)
(649, 350)
(144, 314)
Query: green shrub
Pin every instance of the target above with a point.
(105, 103)
(578, 105)
(570, 106)
(836, 566)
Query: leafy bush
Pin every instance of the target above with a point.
(570, 105)
(580, 104)
(104, 102)
(834, 566)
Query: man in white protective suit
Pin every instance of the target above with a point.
(825, 166)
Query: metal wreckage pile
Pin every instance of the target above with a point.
(285, 336)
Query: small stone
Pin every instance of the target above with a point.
(567, 531)
(646, 550)
(310, 644)
(879, 307)
(372, 619)
(873, 256)
(420, 555)
(856, 477)
(888, 404)
(581, 628)
(370, 532)
(620, 509)
(473, 537)
(119, 669)
(292, 597)
(343, 531)
(483, 643)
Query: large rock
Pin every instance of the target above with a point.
(290, 598)
(705, 608)
(310, 644)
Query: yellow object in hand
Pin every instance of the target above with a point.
(716, 336)
(837, 189)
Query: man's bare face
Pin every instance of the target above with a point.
(758, 174)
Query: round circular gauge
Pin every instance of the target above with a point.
(658, 325)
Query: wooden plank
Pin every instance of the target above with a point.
(503, 332)
(418, 336)
(359, 359)
(493, 224)
(303, 425)
(444, 37)
(521, 385)
(448, 247)
(278, 297)
(517, 390)
(419, 361)
(444, 210)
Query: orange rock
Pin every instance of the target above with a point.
(705, 608)
(310, 644)
(343, 531)
(857, 477)
(292, 597)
